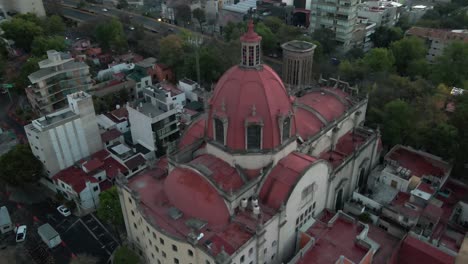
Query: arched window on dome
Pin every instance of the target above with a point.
(219, 131)
(286, 128)
(254, 137)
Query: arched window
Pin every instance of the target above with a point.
(286, 128)
(254, 137)
(219, 130)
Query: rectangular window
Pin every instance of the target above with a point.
(244, 55)
(174, 248)
(254, 136)
(161, 241)
(251, 56)
(96, 188)
(219, 131)
(286, 128)
(257, 54)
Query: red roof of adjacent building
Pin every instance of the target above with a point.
(191, 193)
(92, 165)
(440, 34)
(110, 135)
(243, 93)
(74, 177)
(113, 167)
(135, 161)
(329, 105)
(169, 87)
(282, 179)
(413, 250)
(307, 123)
(418, 163)
(121, 113)
(344, 147)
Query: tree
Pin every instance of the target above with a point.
(199, 15)
(123, 255)
(273, 23)
(379, 60)
(21, 31)
(397, 122)
(183, 14)
(326, 37)
(406, 51)
(84, 259)
(452, 67)
(122, 4)
(269, 40)
(384, 36)
(109, 209)
(19, 166)
(53, 25)
(29, 67)
(110, 34)
(170, 50)
(42, 44)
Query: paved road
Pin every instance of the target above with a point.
(93, 10)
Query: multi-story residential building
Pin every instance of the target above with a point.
(24, 6)
(62, 138)
(382, 13)
(362, 34)
(438, 39)
(115, 119)
(153, 119)
(251, 171)
(339, 16)
(58, 76)
(142, 80)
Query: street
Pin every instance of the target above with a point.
(79, 235)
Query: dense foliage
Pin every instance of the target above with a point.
(19, 166)
(123, 255)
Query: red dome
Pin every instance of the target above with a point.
(195, 197)
(239, 91)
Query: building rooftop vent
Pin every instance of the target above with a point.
(175, 213)
(195, 223)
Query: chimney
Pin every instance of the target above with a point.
(243, 204)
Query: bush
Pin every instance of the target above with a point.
(365, 218)
(124, 255)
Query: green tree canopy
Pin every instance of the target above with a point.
(379, 60)
(53, 25)
(452, 67)
(110, 35)
(199, 15)
(109, 209)
(42, 44)
(170, 50)
(123, 255)
(326, 37)
(269, 40)
(183, 14)
(21, 31)
(406, 51)
(19, 166)
(384, 36)
(397, 123)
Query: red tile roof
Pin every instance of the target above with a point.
(226, 177)
(333, 242)
(414, 250)
(74, 177)
(121, 113)
(440, 34)
(344, 147)
(418, 163)
(283, 178)
(307, 123)
(113, 167)
(169, 87)
(327, 104)
(92, 165)
(110, 135)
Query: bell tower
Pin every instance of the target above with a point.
(250, 51)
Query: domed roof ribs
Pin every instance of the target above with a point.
(313, 111)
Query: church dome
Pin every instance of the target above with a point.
(250, 108)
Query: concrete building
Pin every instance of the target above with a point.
(153, 119)
(382, 13)
(338, 16)
(192, 89)
(248, 172)
(115, 119)
(62, 138)
(24, 6)
(298, 59)
(58, 76)
(142, 80)
(362, 34)
(438, 39)
(416, 12)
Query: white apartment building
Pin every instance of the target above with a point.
(62, 138)
(58, 76)
(24, 6)
(339, 16)
(153, 119)
(382, 13)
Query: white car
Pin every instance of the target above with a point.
(132, 28)
(21, 233)
(104, 10)
(63, 210)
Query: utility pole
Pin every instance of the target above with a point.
(196, 42)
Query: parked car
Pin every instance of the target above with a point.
(132, 28)
(63, 210)
(21, 233)
(104, 10)
(49, 235)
